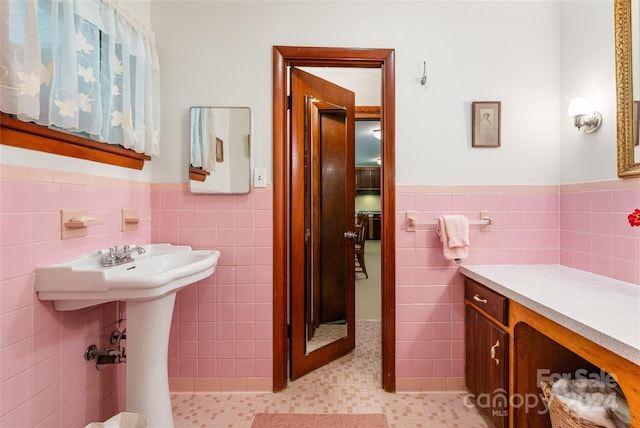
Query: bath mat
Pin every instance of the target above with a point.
(311, 420)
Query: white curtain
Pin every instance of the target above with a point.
(203, 138)
(198, 139)
(81, 66)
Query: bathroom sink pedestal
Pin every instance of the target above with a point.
(147, 384)
(148, 284)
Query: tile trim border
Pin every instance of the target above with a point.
(619, 184)
(41, 175)
(220, 384)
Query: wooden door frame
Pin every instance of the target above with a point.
(283, 57)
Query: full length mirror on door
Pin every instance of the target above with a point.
(220, 150)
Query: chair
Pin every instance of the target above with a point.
(363, 230)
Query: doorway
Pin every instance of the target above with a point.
(284, 57)
(367, 207)
(322, 283)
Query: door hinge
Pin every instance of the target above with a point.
(288, 102)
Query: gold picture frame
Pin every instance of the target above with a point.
(485, 123)
(636, 123)
(219, 150)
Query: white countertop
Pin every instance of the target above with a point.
(604, 310)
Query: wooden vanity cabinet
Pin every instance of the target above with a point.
(536, 347)
(487, 352)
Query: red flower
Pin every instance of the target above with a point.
(634, 218)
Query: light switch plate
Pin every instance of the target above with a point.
(259, 177)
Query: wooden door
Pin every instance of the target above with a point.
(322, 271)
(487, 366)
(285, 57)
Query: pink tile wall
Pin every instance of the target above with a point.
(221, 335)
(44, 380)
(595, 234)
(429, 290)
(582, 226)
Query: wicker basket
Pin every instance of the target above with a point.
(561, 415)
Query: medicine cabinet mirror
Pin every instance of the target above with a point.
(220, 150)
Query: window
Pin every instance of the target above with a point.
(83, 67)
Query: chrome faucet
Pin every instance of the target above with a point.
(118, 255)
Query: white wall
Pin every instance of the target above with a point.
(529, 55)
(139, 10)
(366, 83)
(587, 66)
(220, 53)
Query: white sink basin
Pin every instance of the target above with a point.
(162, 269)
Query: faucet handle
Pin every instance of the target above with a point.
(108, 251)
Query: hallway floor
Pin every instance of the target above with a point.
(368, 298)
(348, 385)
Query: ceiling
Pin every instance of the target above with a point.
(367, 146)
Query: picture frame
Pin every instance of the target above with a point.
(219, 150)
(636, 123)
(485, 123)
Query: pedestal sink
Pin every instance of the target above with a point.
(148, 284)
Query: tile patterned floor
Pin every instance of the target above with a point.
(348, 385)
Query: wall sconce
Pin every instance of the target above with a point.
(585, 118)
(376, 133)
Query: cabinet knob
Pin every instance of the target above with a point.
(493, 352)
(477, 298)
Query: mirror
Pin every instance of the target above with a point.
(628, 153)
(220, 150)
(326, 288)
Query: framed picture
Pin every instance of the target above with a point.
(219, 150)
(636, 123)
(485, 124)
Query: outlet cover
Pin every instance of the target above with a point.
(259, 177)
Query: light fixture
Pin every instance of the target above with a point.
(379, 161)
(376, 133)
(585, 118)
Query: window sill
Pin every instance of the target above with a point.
(14, 132)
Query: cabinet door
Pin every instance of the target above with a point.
(375, 227)
(487, 366)
(363, 178)
(359, 178)
(375, 178)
